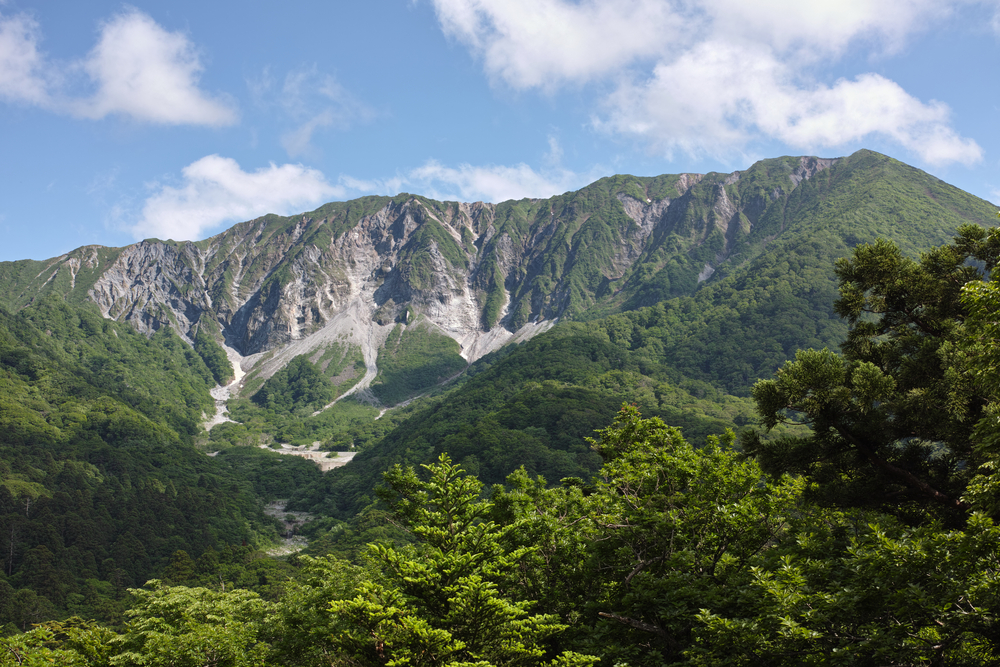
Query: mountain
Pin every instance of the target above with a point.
(689, 359)
(348, 274)
(673, 293)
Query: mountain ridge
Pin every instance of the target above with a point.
(480, 274)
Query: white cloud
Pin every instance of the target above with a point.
(149, 74)
(22, 77)
(137, 69)
(718, 97)
(716, 75)
(822, 28)
(216, 190)
(491, 183)
(541, 43)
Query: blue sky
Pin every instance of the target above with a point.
(177, 119)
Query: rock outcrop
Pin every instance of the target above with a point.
(482, 274)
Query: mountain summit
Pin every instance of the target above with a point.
(349, 273)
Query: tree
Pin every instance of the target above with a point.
(857, 589)
(892, 419)
(445, 599)
(664, 531)
(190, 627)
(69, 643)
(305, 633)
(978, 352)
(677, 530)
(214, 356)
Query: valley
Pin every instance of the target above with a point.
(505, 409)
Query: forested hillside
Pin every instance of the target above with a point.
(668, 476)
(99, 482)
(690, 360)
(866, 537)
(409, 272)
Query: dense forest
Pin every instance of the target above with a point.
(841, 513)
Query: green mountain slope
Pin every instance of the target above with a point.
(480, 274)
(675, 293)
(690, 360)
(99, 482)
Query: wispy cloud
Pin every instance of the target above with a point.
(713, 76)
(466, 182)
(137, 69)
(310, 101)
(493, 183)
(215, 190)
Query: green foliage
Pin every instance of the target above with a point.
(71, 643)
(297, 387)
(517, 411)
(672, 555)
(214, 357)
(271, 475)
(847, 592)
(428, 242)
(98, 482)
(443, 601)
(348, 424)
(880, 437)
(665, 531)
(162, 377)
(305, 633)
(179, 626)
(414, 358)
(23, 282)
(343, 364)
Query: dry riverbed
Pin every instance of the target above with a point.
(325, 460)
(290, 541)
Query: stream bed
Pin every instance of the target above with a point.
(290, 542)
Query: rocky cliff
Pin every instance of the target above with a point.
(481, 274)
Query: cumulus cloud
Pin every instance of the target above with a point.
(137, 69)
(720, 96)
(215, 190)
(715, 75)
(150, 74)
(540, 43)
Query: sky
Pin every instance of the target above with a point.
(175, 120)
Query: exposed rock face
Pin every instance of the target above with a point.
(481, 273)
